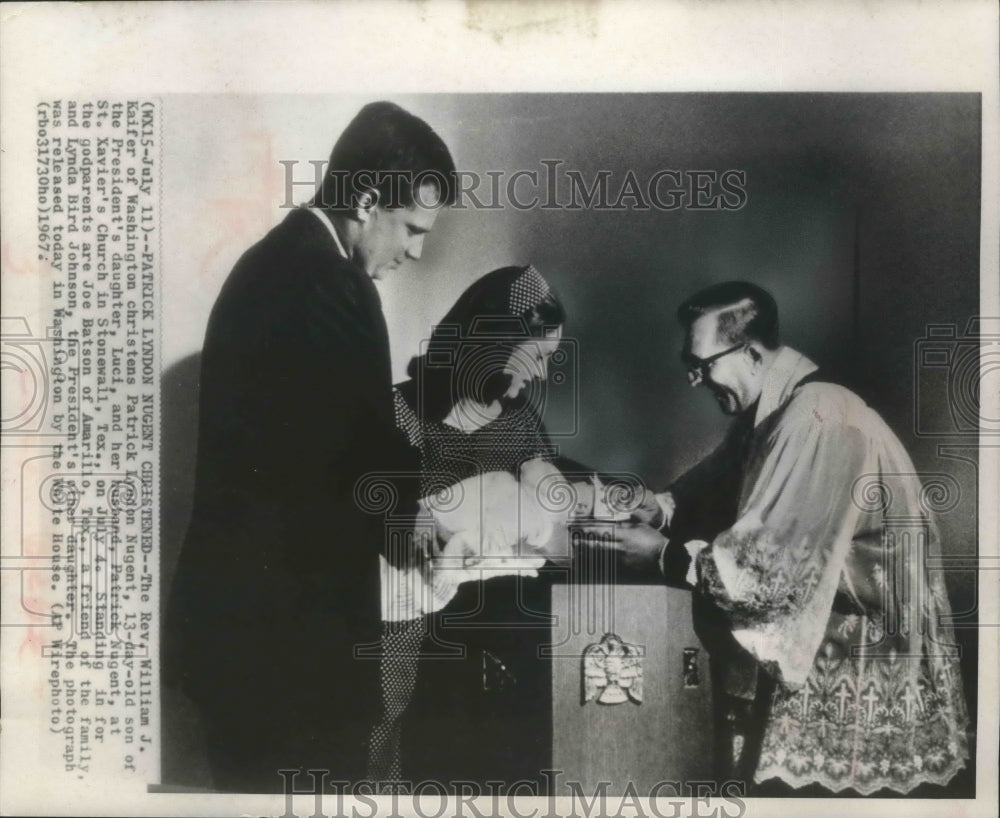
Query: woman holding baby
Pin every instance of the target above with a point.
(466, 695)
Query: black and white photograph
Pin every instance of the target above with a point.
(695, 317)
(466, 446)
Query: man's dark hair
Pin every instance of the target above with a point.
(745, 312)
(392, 152)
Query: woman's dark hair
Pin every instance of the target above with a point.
(467, 350)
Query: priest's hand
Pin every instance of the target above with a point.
(639, 546)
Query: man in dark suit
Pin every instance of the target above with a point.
(278, 580)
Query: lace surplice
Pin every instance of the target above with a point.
(824, 582)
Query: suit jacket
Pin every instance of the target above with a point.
(278, 580)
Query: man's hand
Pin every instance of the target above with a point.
(640, 545)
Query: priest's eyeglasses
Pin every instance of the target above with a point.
(698, 368)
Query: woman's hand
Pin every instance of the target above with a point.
(654, 510)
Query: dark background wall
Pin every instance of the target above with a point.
(862, 217)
